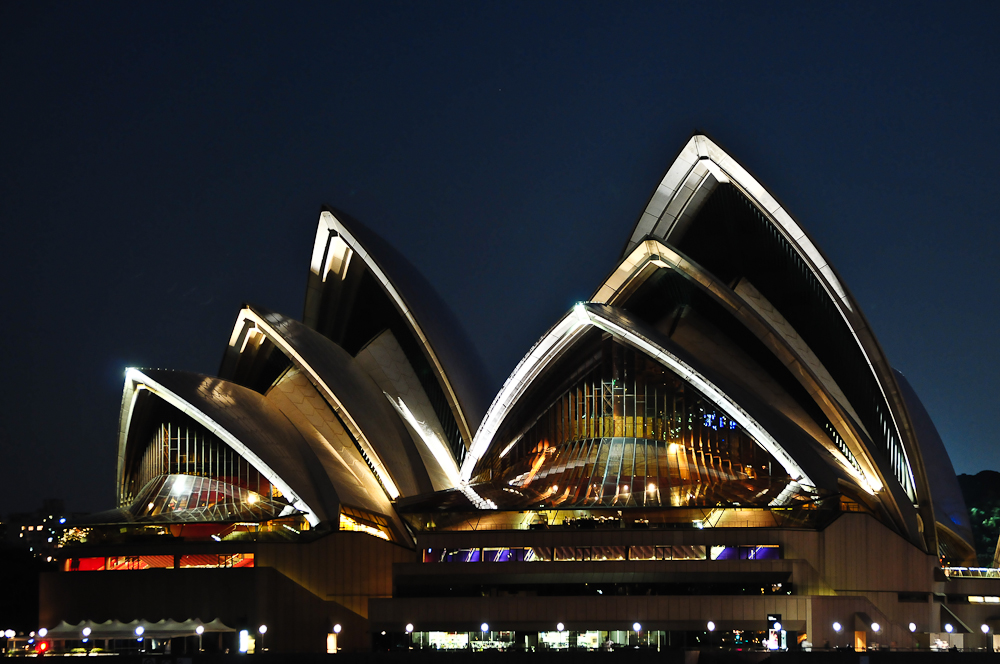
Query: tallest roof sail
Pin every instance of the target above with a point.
(723, 222)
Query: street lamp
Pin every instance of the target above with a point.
(263, 630)
(560, 627)
(913, 627)
(985, 628)
(837, 627)
(484, 628)
(409, 628)
(42, 632)
(711, 626)
(337, 628)
(948, 628)
(876, 627)
(199, 630)
(86, 631)
(138, 631)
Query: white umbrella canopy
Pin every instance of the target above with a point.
(115, 629)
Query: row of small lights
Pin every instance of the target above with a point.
(948, 627)
(200, 629)
(837, 627)
(559, 627)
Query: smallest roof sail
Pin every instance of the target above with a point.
(246, 422)
(458, 366)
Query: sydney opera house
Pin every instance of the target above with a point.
(713, 451)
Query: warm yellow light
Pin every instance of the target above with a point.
(347, 523)
(651, 488)
(251, 497)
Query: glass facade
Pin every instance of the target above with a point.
(123, 563)
(187, 498)
(183, 447)
(596, 553)
(628, 432)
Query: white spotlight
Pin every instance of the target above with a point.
(948, 628)
(262, 629)
(711, 626)
(637, 627)
(337, 628)
(139, 630)
(86, 631)
(409, 628)
(42, 632)
(199, 630)
(876, 627)
(560, 627)
(484, 628)
(837, 627)
(913, 627)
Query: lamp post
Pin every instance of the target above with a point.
(199, 630)
(875, 628)
(263, 630)
(336, 636)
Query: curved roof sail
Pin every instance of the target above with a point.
(359, 286)
(245, 422)
(704, 182)
(565, 333)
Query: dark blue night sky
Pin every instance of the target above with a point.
(161, 163)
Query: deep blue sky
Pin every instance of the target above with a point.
(162, 163)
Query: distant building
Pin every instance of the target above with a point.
(37, 531)
(712, 451)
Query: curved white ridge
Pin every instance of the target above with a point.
(701, 159)
(568, 329)
(277, 339)
(546, 349)
(138, 379)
